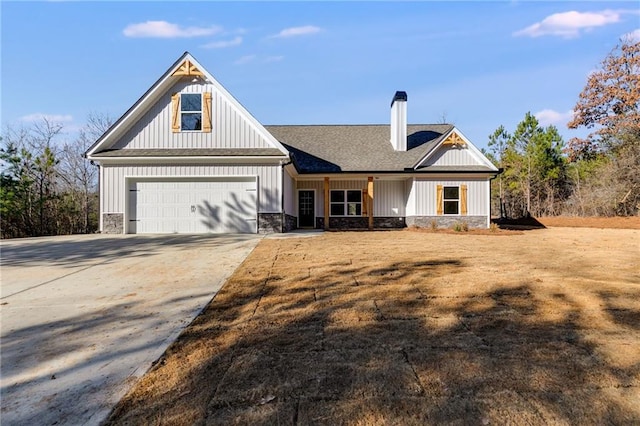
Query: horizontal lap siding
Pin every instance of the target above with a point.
(229, 127)
(425, 195)
(113, 201)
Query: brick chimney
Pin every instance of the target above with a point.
(399, 121)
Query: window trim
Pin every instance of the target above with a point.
(345, 203)
(201, 112)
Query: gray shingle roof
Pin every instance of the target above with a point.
(353, 148)
(217, 152)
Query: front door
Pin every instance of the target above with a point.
(306, 209)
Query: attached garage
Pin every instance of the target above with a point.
(192, 206)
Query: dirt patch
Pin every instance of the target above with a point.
(411, 328)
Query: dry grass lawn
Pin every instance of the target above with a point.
(401, 327)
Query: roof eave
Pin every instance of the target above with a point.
(243, 159)
(407, 171)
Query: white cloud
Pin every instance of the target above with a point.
(547, 117)
(273, 58)
(164, 29)
(245, 59)
(633, 36)
(569, 24)
(53, 118)
(297, 31)
(223, 43)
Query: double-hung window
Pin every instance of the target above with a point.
(451, 200)
(346, 202)
(190, 111)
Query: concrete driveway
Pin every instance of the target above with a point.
(83, 317)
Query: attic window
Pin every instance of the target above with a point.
(190, 111)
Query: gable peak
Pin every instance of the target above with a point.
(187, 68)
(454, 139)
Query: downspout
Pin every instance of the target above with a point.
(283, 220)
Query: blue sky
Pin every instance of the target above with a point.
(478, 64)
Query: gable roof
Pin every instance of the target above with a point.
(455, 137)
(363, 148)
(185, 65)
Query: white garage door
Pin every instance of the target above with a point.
(193, 207)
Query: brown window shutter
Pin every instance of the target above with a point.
(439, 199)
(175, 112)
(206, 112)
(463, 200)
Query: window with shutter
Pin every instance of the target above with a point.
(191, 112)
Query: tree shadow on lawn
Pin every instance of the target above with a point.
(380, 345)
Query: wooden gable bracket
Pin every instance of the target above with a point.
(187, 69)
(454, 139)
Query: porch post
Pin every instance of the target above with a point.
(326, 203)
(370, 201)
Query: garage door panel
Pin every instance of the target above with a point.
(211, 206)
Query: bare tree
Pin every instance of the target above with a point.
(79, 175)
(47, 186)
(610, 104)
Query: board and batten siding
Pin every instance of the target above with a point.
(229, 128)
(424, 193)
(410, 197)
(388, 196)
(447, 156)
(114, 177)
(290, 195)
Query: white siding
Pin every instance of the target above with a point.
(388, 198)
(425, 195)
(449, 156)
(113, 178)
(387, 195)
(230, 129)
(290, 195)
(410, 194)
